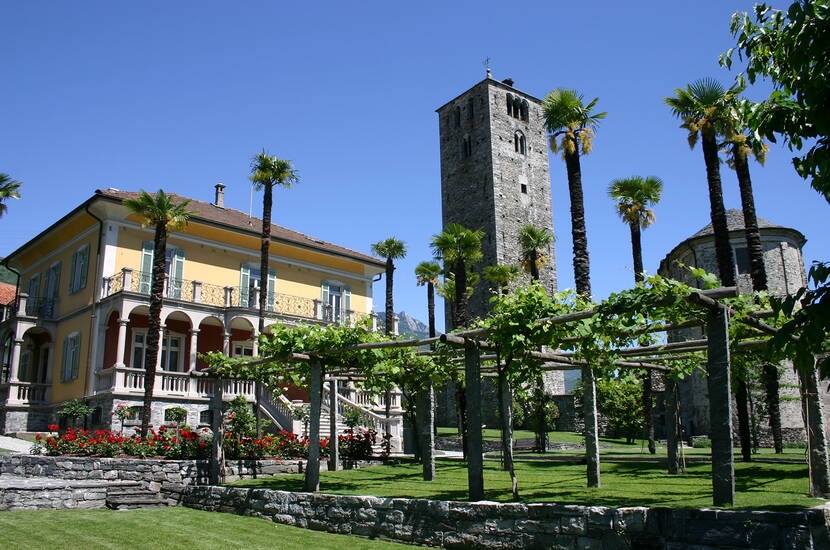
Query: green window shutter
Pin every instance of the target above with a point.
(178, 273)
(272, 289)
(65, 351)
(146, 273)
(34, 285)
(84, 253)
(325, 292)
(72, 272)
(76, 356)
(54, 281)
(244, 284)
(347, 298)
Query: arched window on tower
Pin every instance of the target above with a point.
(457, 116)
(519, 143)
(524, 110)
(466, 147)
(470, 110)
(510, 104)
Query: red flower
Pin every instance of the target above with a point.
(38, 437)
(202, 444)
(53, 427)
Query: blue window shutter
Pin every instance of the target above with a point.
(76, 356)
(84, 266)
(146, 274)
(65, 350)
(244, 284)
(177, 272)
(272, 289)
(72, 271)
(34, 285)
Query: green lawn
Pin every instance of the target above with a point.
(772, 486)
(163, 528)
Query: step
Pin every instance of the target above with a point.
(130, 497)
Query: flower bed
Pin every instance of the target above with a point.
(169, 442)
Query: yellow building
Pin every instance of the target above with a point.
(78, 326)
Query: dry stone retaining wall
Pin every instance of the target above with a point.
(495, 525)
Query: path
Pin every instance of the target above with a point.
(15, 445)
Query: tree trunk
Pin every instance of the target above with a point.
(758, 272)
(217, 452)
(816, 437)
(461, 407)
(334, 447)
(264, 252)
(312, 471)
(720, 408)
(723, 250)
(636, 251)
(154, 324)
(506, 410)
(390, 320)
(431, 308)
(582, 274)
(648, 404)
(672, 437)
(589, 413)
(541, 401)
(461, 318)
(475, 459)
(534, 266)
(426, 411)
(744, 432)
(771, 389)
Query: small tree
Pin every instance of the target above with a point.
(75, 409)
(620, 401)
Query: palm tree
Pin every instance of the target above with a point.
(634, 195)
(164, 215)
(9, 189)
(572, 124)
(739, 145)
(459, 248)
(429, 274)
(534, 243)
(703, 106)
(266, 172)
(501, 276)
(391, 249)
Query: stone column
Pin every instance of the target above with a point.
(120, 349)
(162, 338)
(255, 340)
(334, 447)
(194, 348)
(22, 301)
(312, 472)
(720, 407)
(228, 296)
(15, 364)
(475, 460)
(226, 343)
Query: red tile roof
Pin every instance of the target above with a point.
(240, 220)
(7, 293)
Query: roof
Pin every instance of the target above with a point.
(492, 82)
(7, 293)
(239, 220)
(735, 222)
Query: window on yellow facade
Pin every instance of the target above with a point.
(80, 266)
(71, 357)
(250, 280)
(172, 351)
(173, 270)
(337, 298)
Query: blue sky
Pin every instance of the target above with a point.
(179, 96)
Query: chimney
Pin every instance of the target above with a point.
(508, 81)
(220, 195)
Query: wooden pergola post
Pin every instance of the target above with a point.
(217, 452)
(589, 414)
(426, 412)
(816, 436)
(720, 407)
(672, 437)
(475, 460)
(312, 472)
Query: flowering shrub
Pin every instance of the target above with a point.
(170, 443)
(357, 446)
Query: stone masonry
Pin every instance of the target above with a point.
(785, 274)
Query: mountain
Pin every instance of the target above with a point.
(407, 325)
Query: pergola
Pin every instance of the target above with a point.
(476, 349)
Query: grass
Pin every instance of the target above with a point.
(770, 486)
(167, 528)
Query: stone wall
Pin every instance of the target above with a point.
(168, 476)
(494, 525)
(18, 494)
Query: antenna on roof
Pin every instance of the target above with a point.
(486, 64)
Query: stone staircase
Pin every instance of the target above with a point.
(129, 497)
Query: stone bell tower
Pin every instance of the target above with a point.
(495, 175)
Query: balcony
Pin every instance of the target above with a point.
(185, 385)
(230, 297)
(29, 306)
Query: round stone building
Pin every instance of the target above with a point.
(785, 275)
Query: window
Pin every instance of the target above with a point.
(80, 265)
(135, 416)
(173, 271)
(50, 295)
(519, 143)
(742, 261)
(337, 299)
(172, 351)
(71, 358)
(510, 104)
(524, 110)
(243, 349)
(524, 188)
(470, 109)
(466, 147)
(206, 417)
(517, 107)
(457, 113)
(34, 285)
(250, 280)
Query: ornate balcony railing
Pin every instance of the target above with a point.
(168, 384)
(231, 297)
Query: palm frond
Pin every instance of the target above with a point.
(390, 248)
(268, 171)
